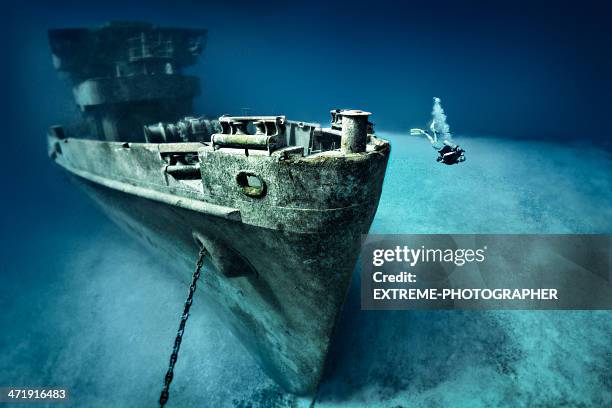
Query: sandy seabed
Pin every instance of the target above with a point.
(92, 311)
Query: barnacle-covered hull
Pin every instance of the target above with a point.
(277, 274)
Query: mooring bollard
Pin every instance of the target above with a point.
(354, 131)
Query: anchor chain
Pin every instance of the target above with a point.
(163, 398)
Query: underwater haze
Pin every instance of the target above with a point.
(526, 90)
(87, 308)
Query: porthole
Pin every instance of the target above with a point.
(251, 184)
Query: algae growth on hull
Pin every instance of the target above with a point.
(102, 315)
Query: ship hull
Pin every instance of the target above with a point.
(279, 290)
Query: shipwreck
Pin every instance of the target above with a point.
(279, 205)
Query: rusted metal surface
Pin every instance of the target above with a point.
(297, 244)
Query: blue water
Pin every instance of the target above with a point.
(87, 308)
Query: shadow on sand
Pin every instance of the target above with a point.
(410, 351)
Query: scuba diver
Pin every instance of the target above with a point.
(449, 152)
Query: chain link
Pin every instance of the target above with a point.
(165, 394)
